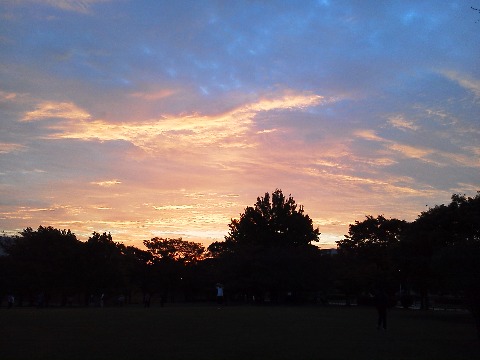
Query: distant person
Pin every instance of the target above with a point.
(381, 303)
(40, 300)
(219, 294)
(10, 300)
(121, 300)
(146, 300)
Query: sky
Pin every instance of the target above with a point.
(168, 118)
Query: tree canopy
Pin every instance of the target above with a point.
(185, 252)
(268, 253)
(269, 249)
(274, 220)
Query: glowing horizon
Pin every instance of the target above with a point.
(147, 119)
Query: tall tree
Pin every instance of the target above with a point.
(372, 238)
(44, 261)
(103, 265)
(443, 249)
(272, 221)
(185, 252)
(269, 249)
(367, 254)
(173, 264)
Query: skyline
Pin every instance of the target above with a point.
(153, 118)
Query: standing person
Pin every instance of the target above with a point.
(10, 300)
(381, 303)
(219, 294)
(146, 300)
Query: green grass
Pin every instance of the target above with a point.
(234, 332)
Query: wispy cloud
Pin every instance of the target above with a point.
(464, 80)
(170, 118)
(399, 122)
(10, 147)
(107, 183)
(80, 6)
(58, 110)
(225, 130)
(7, 96)
(412, 152)
(368, 134)
(155, 95)
(430, 155)
(175, 207)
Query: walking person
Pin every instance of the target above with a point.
(381, 303)
(10, 300)
(146, 300)
(219, 294)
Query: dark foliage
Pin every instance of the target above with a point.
(267, 256)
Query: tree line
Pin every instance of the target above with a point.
(268, 255)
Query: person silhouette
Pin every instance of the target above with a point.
(10, 300)
(381, 303)
(219, 293)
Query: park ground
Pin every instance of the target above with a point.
(201, 332)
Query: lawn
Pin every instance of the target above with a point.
(234, 332)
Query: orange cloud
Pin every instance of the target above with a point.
(156, 95)
(224, 130)
(107, 183)
(7, 96)
(368, 135)
(63, 110)
(408, 151)
(464, 80)
(411, 151)
(399, 122)
(6, 148)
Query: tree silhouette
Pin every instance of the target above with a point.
(367, 254)
(185, 252)
(450, 240)
(268, 251)
(44, 261)
(272, 221)
(173, 265)
(104, 266)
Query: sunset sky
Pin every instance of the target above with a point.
(168, 118)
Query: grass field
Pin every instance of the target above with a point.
(234, 332)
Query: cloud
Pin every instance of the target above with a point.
(290, 100)
(464, 81)
(79, 6)
(62, 110)
(7, 96)
(107, 183)
(152, 96)
(6, 148)
(224, 130)
(413, 152)
(368, 135)
(175, 207)
(399, 122)
(425, 154)
(126, 122)
(461, 159)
